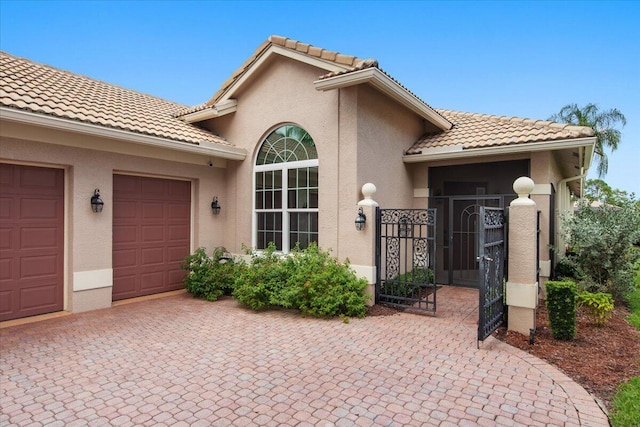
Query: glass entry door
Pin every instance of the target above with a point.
(460, 243)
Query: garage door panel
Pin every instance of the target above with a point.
(126, 283)
(176, 278)
(158, 221)
(152, 233)
(39, 237)
(6, 207)
(152, 210)
(153, 188)
(38, 266)
(177, 233)
(125, 258)
(40, 208)
(125, 187)
(153, 281)
(125, 234)
(39, 297)
(6, 297)
(180, 190)
(39, 179)
(178, 211)
(151, 256)
(6, 238)
(6, 269)
(32, 234)
(176, 253)
(125, 209)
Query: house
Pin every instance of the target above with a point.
(283, 147)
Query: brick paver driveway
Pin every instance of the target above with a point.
(180, 361)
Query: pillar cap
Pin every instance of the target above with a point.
(523, 186)
(368, 190)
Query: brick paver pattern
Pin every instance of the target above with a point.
(179, 361)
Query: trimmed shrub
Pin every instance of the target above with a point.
(321, 286)
(209, 277)
(310, 280)
(260, 285)
(561, 305)
(599, 306)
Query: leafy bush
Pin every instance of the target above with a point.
(261, 284)
(561, 305)
(321, 286)
(566, 268)
(209, 277)
(626, 409)
(602, 243)
(599, 306)
(405, 285)
(309, 280)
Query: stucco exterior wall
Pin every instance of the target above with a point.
(88, 236)
(282, 93)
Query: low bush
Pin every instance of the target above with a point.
(210, 277)
(321, 286)
(309, 280)
(261, 284)
(599, 306)
(561, 305)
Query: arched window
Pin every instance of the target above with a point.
(286, 190)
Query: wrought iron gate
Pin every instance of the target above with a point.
(406, 258)
(492, 260)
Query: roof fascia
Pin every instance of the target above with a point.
(204, 148)
(218, 110)
(282, 51)
(457, 152)
(388, 86)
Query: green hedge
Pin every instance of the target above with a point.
(309, 280)
(561, 305)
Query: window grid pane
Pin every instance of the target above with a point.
(304, 228)
(269, 229)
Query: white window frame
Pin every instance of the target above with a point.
(284, 167)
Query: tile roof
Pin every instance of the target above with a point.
(472, 130)
(348, 62)
(41, 89)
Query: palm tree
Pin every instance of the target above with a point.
(602, 122)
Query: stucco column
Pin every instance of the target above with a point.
(522, 287)
(364, 240)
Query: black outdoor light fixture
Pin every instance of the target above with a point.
(361, 219)
(215, 205)
(96, 201)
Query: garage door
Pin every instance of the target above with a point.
(151, 234)
(31, 240)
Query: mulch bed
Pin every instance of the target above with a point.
(382, 310)
(599, 358)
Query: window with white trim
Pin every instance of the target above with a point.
(286, 190)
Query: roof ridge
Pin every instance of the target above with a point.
(348, 61)
(84, 76)
(516, 119)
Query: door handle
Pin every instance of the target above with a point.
(485, 258)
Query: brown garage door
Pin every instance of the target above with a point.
(31, 240)
(151, 234)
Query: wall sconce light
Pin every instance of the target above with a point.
(361, 219)
(215, 206)
(96, 202)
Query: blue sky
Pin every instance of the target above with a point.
(525, 59)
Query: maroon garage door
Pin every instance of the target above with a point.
(31, 240)
(151, 234)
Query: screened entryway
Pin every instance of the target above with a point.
(458, 193)
(286, 190)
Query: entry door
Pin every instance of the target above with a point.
(464, 226)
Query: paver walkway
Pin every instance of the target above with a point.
(179, 361)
